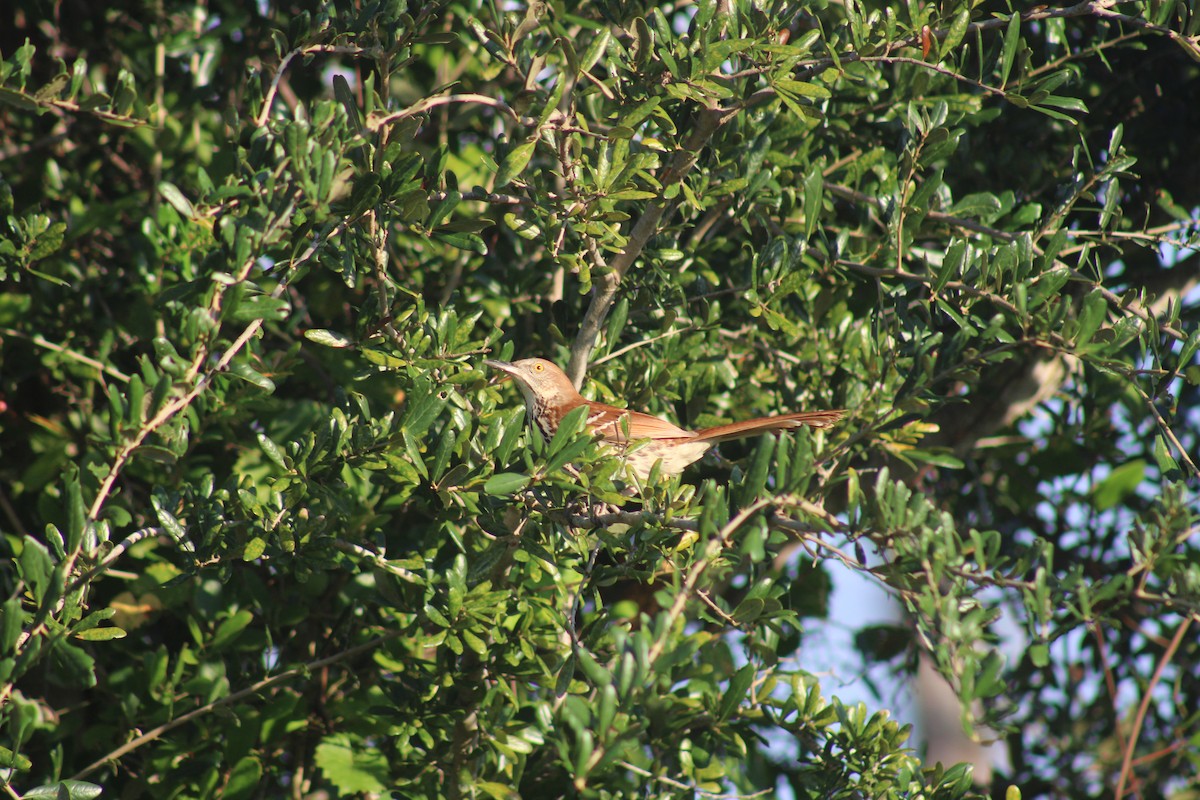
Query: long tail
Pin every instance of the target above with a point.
(749, 427)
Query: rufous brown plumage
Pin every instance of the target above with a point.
(550, 396)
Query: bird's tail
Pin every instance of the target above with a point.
(749, 427)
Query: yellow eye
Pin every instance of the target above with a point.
(538, 367)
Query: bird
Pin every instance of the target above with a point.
(550, 396)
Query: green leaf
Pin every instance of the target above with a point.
(988, 682)
(1069, 103)
(596, 48)
(566, 673)
(443, 209)
(1039, 654)
(749, 610)
(570, 425)
(104, 634)
(1012, 37)
(514, 163)
(1120, 483)
(437, 617)
(500, 791)
(345, 96)
(48, 242)
(803, 89)
(474, 642)
(1190, 346)
(739, 685)
(272, 451)
(244, 779)
(352, 766)
(73, 665)
(956, 31)
(12, 621)
(258, 307)
(1095, 308)
(522, 226)
(383, 358)
(935, 457)
(595, 672)
(170, 192)
(421, 408)
(172, 525)
(760, 467)
(230, 628)
(642, 110)
(1166, 463)
(254, 549)
(814, 186)
(77, 523)
(63, 790)
(19, 100)
(952, 264)
(328, 338)
(1048, 285)
(35, 567)
(240, 369)
(505, 483)
(616, 321)
(982, 205)
(11, 760)
(463, 241)
(779, 322)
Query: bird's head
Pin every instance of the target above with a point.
(537, 377)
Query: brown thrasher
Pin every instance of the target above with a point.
(550, 395)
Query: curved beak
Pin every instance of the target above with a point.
(504, 367)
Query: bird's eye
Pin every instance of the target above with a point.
(538, 367)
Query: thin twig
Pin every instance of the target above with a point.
(273, 89)
(816, 66)
(716, 609)
(1191, 44)
(1166, 430)
(693, 790)
(42, 341)
(1110, 683)
(641, 343)
(420, 107)
(254, 688)
(108, 116)
(377, 560)
(122, 546)
(1144, 707)
(11, 513)
(201, 382)
(939, 69)
(269, 100)
(486, 197)
(713, 549)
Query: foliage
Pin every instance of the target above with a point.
(271, 530)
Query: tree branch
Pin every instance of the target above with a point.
(1144, 706)
(42, 341)
(255, 688)
(375, 123)
(707, 122)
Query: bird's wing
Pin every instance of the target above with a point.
(611, 422)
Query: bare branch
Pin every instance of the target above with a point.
(374, 123)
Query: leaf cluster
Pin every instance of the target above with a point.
(270, 527)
